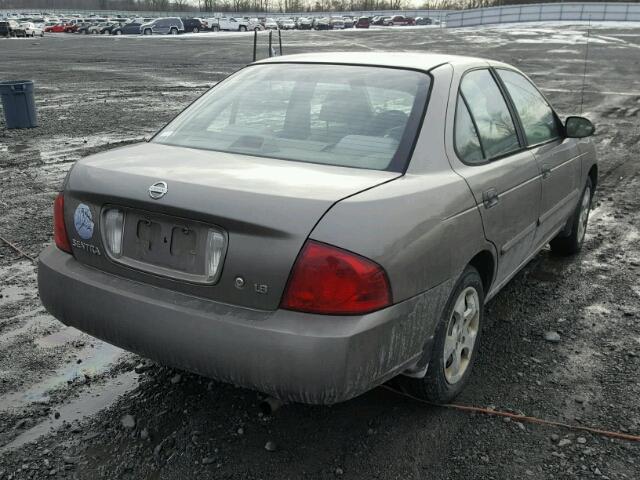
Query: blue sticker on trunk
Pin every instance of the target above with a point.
(83, 221)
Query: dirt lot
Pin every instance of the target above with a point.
(74, 407)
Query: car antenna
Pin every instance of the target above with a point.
(584, 71)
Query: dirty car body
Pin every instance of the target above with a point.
(308, 247)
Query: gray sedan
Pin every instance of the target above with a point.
(316, 225)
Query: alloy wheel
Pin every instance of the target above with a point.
(462, 331)
(583, 219)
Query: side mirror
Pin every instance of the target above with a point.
(579, 127)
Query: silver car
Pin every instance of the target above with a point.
(163, 26)
(316, 225)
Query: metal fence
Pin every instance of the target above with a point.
(619, 12)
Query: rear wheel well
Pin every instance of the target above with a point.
(483, 262)
(593, 175)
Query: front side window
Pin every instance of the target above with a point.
(537, 117)
(353, 116)
(490, 112)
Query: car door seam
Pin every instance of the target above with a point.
(557, 207)
(511, 243)
(496, 288)
(555, 167)
(515, 187)
(460, 213)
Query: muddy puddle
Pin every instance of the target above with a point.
(63, 148)
(36, 320)
(91, 361)
(11, 293)
(88, 403)
(62, 337)
(12, 282)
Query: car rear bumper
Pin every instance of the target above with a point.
(299, 357)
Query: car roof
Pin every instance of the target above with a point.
(409, 60)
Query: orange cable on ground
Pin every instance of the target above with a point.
(522, 418)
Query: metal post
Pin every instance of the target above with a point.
(255, 44)
(270, 34)
(280, 40)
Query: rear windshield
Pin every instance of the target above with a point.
(352, 116)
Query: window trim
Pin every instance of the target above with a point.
(516, 121)
(459, 96)
(522, 138)
(398, 164)
(559, 124)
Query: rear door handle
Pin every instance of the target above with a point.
(546, 170)
(490, 198)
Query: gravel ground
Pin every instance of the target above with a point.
(74, 407)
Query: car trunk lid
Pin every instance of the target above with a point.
(265, 208)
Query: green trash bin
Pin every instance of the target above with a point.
(18, 103)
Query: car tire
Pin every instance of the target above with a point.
(147, 32)
(571, 244)
(118, 32)
(196, 30)
(173, 31)
(215, 29)
(457, 334)
(243, 28)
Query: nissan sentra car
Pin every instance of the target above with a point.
(318, 224)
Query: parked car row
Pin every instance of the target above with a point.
(93, 25)
(11, 28)
(401, 20)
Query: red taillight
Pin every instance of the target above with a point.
(59, 231)
(329, 280)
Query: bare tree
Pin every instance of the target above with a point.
(254, 5)
(180, 5)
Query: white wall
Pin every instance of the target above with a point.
(546, 12)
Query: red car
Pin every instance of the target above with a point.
(59, 28)
(402, 20)
(363, 22)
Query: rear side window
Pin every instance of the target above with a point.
(537, 117)
(352, 116)
(489, 110)
(467, 142)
